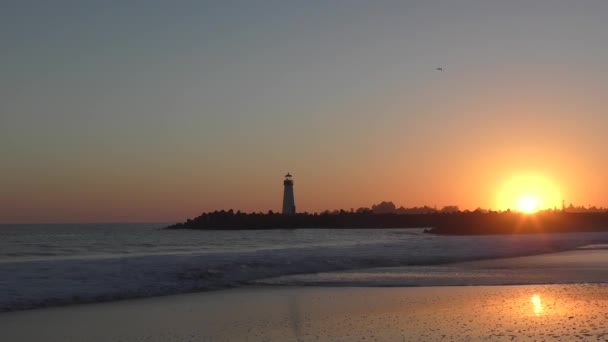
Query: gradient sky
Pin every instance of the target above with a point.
(116, 111)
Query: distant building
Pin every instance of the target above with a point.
(289, 204)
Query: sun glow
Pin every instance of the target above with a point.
(527, 204)
(528, 194)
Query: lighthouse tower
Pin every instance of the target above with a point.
(289, 204)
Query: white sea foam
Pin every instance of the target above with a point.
(28, 284)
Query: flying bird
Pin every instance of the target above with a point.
(439, 69)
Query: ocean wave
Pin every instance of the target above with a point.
(25, 285)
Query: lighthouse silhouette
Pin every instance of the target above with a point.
(289, 204)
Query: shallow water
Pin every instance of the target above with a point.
(588, 264)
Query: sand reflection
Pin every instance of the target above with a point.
(537, 305)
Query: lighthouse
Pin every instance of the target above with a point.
(289, 204)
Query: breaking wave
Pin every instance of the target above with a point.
(32, 284)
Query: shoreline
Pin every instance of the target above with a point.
(587, 265)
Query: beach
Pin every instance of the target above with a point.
(181, 171)
(575, 309)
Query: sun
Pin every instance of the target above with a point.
(528, 193)
(527, 204)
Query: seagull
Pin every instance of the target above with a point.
(439, 69)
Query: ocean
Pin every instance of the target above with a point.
(46, 265)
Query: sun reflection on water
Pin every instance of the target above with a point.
(538, 306)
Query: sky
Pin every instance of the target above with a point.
(142, 111)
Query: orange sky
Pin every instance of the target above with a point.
(161, 113)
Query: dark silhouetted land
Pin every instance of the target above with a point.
(438, 222)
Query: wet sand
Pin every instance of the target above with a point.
(559, 312)
(496, 313)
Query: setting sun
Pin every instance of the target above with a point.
(528, 194)
(527, 204)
